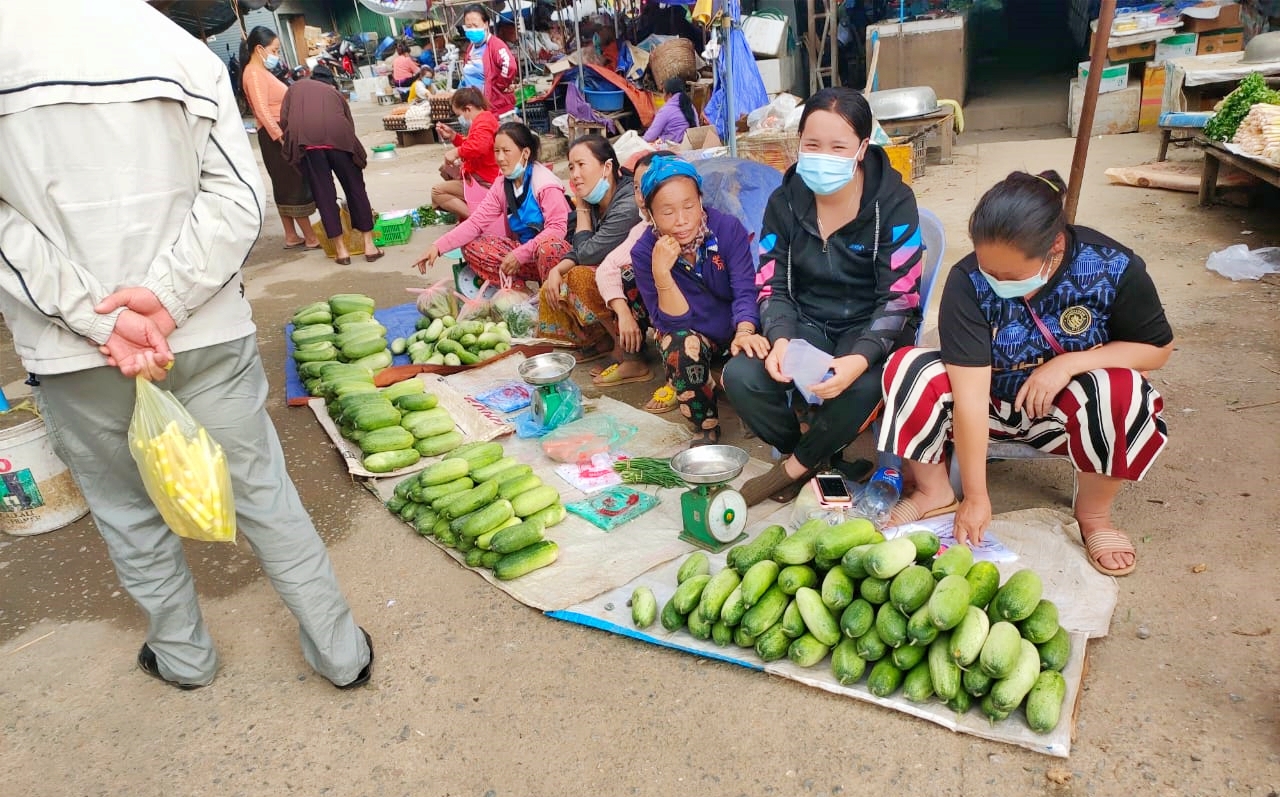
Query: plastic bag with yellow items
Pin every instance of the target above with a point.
(183, 468)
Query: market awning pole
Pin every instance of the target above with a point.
(731, 126)
(1097, 60)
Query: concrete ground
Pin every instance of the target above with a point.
(475, 694)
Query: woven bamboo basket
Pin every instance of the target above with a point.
(770, 147)
(674, 58)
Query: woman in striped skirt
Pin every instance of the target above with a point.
(1047, 331)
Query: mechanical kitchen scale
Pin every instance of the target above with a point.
(714, 513)
(553, 392)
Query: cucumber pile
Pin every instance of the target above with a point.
(394, 426)
(485, 504)
(933, 626)
(445, 341)
(341, 329)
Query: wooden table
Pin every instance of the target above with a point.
(580, 127)
(1215, 154)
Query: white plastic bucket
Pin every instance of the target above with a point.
(37, 493)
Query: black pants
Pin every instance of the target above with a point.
(762, 402)
(320, 166)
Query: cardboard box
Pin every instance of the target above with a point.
(1116, 112)
(1181, 46)
(778, 74)
(766, 36)
(931, 52)
(1131, 53)
(1152, 97)
(1228, 17)
(1223, 41)
(1114, 78)
(704, 137)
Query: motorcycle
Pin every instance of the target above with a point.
(340, 58)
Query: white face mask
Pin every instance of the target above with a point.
(518, 170)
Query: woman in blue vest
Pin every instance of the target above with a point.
(1047, 332)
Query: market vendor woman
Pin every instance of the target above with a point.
(696, 276)
(571, 308)
(528, 202)
(840, 270)
(1047, 331)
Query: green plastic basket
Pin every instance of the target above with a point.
(392, 232)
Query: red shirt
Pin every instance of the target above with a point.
(499, 75)
(476, 148)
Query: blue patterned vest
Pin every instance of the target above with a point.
(1075, 306)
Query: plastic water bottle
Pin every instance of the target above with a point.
(879, 496)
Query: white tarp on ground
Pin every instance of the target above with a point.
(597, 571)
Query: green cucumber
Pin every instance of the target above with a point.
(904, 657)
(387, 461)
(943, 670)
(889, 558)
(510, 488)
(949, 603)
(513, 538)
(891, 625)
(792, 577)
(644, 607)
(911, 588)
(857, 618)
(817, 617)
(690, 592)
(834, 541)
(526, 560)
(955, 561)
(1041, 624)
(757, 580)
(733, 609)
(1044, 701)
(772, 644)
(696, 564)
(968, 637)
(484, 518)
(837, 589)
(1001, 650)
(1008, 692)
(717, 592)
(743, 557)
(438, 444)
(916, 685)
(1018, 597)
(846, 665)
(984, 581)
(808, 650)
(884, 679)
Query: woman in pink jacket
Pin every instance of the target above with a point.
(530, 200)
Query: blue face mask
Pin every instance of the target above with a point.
(517, 171)
(598, 192)
(825, 174)
(272, 61)
(1016, 289)
(476, 35)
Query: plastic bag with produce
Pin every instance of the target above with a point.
(183, 469)
(439, 300)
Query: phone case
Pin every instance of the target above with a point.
(823, 501)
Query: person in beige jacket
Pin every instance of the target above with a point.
(129, 200)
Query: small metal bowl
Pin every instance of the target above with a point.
(547, 369)
(709, 464)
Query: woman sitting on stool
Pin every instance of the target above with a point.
(841, 270)
(1046, 330)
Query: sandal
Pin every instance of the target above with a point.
(600, 369)
(906, 511)
(609, 377)
(1105, 541)
(371, 258)
(663, 400)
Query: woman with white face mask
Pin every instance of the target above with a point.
(1047, 330)
(265, 95)
(840, 257)
(528, 203)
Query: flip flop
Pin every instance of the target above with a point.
(665, 400)
(1105, 541)
(298, 245)
(600, 369)
(905, 511)
(609, 377)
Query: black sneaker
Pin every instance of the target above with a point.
(147, 663)
(363, 677)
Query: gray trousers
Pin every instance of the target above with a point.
(225, 389)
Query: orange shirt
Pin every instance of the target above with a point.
(265, 93)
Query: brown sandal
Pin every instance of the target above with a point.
(906, 511)
(1105, 541)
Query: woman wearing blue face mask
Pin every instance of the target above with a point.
(489, 64)
(265, 95)
(840, 269)
(571, 308)
(527, 205)
(1047, 330)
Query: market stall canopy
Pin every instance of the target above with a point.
(204, 18)
(397, 8)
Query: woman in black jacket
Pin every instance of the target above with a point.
(840, 258)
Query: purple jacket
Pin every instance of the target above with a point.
(725, 295)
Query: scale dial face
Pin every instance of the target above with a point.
(726, 515)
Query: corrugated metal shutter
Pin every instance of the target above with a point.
(227, 43)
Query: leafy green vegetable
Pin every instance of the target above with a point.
(1251, 91)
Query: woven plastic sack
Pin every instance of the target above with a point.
(183, 468)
